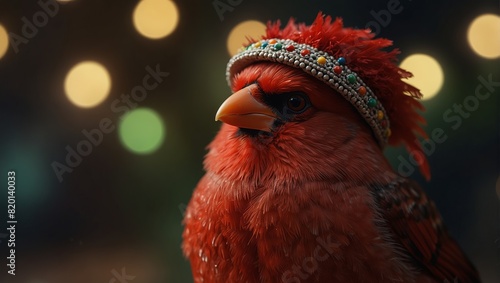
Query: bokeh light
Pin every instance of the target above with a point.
(240, 33)
(87, 84)
(484, 36)
(4, 41)
(142, 131)
(155, 19)
(427, 74)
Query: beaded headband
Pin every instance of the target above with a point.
(330, 70)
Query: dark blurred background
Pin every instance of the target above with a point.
(115, 214)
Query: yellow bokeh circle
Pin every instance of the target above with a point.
(155, 19)
(87, 84)
(484, 36)
(240, 33)
(4, 41)
(427, 74)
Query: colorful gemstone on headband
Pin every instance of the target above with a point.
(337, 70)
(321, 60)
(362, 90)
(372, 102)
(380, 115)
(388, 133)
(383, 123)
(351, 78)
(264, 44)
(272, 41)
(341, 60)
(278, 46)
(257, 44)
(305, 52)
(290, 48)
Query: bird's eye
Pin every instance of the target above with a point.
(296, 103)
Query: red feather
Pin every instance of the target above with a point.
(418, 227)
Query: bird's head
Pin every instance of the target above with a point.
(306, 94)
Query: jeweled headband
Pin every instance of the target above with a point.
(332, 71)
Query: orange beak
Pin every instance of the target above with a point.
(242, 110)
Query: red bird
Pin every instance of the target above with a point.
(297, 188)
